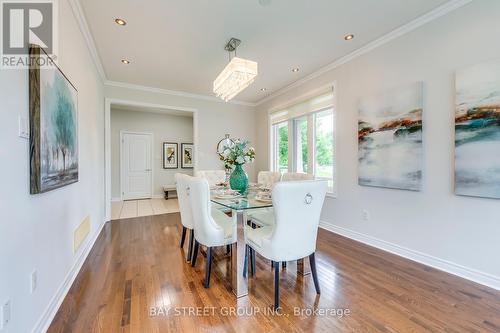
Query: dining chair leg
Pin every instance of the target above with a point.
(312, 261)
(190, 250)
(208, 266)
(228, 249)
(283, 265)
(245, 263)
(183, 236)
(195, 253)
(276, 285)
(252, 261)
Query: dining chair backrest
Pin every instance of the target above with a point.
(268, 178)
(206, 231)
(295, 176)
(212, 176)
(183, 200)
(297, 210)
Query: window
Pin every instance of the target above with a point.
(303, 138)
(300, 149)
(323, 146)
(280, 134)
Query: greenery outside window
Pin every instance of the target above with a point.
(303, 138)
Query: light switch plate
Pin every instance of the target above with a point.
(6, 311)
(24, 131)
(34, 281)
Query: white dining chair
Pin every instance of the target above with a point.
(213, 177)
(211, 226)
(265, 217)
(185, 211)
(295, 176)
(293, 233)
(268, 178)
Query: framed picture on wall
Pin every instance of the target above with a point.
(53, 105)
(187, 155)
(170, 155)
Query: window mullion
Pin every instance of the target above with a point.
(311, 151)
(291, 146)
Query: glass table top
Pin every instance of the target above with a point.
(247, 201)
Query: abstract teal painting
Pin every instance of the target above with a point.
(477, 130)
(390, 138)
(53, 129)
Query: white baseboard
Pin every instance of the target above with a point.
(48, 315)
(443, 265)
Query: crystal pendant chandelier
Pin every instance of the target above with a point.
(237, 75)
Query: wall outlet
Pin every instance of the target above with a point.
(34, 281)
(366, 215)
(5, 313)
(24, 131)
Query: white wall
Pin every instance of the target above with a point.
(215, 119)
(456, 233)
(165, 128)
(36, 231)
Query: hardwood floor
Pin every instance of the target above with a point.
(137, 264)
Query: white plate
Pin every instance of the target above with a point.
(227, 196)
(261, 199)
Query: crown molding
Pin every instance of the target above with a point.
(404, 29)
(87, 35)
(132, 86)
(398, 32)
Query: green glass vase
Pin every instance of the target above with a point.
(239, 179)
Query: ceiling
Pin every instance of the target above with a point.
(179, 45)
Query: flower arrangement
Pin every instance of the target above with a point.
(237, 154)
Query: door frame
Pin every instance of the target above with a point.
(108, 102)
(122, 171)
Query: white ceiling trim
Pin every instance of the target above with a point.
(404, 29)
(172, 92)
(87, 35)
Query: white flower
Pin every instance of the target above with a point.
(247, 159)
(240, 160)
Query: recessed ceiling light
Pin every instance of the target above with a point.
(295, 70)
(263, 89)
(125, 61)
(120, 21)
(349, 37)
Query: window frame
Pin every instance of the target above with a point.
(311, 139)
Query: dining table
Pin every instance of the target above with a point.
(240, 206)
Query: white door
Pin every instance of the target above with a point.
(136, 171)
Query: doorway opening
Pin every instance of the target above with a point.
(144, 151)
